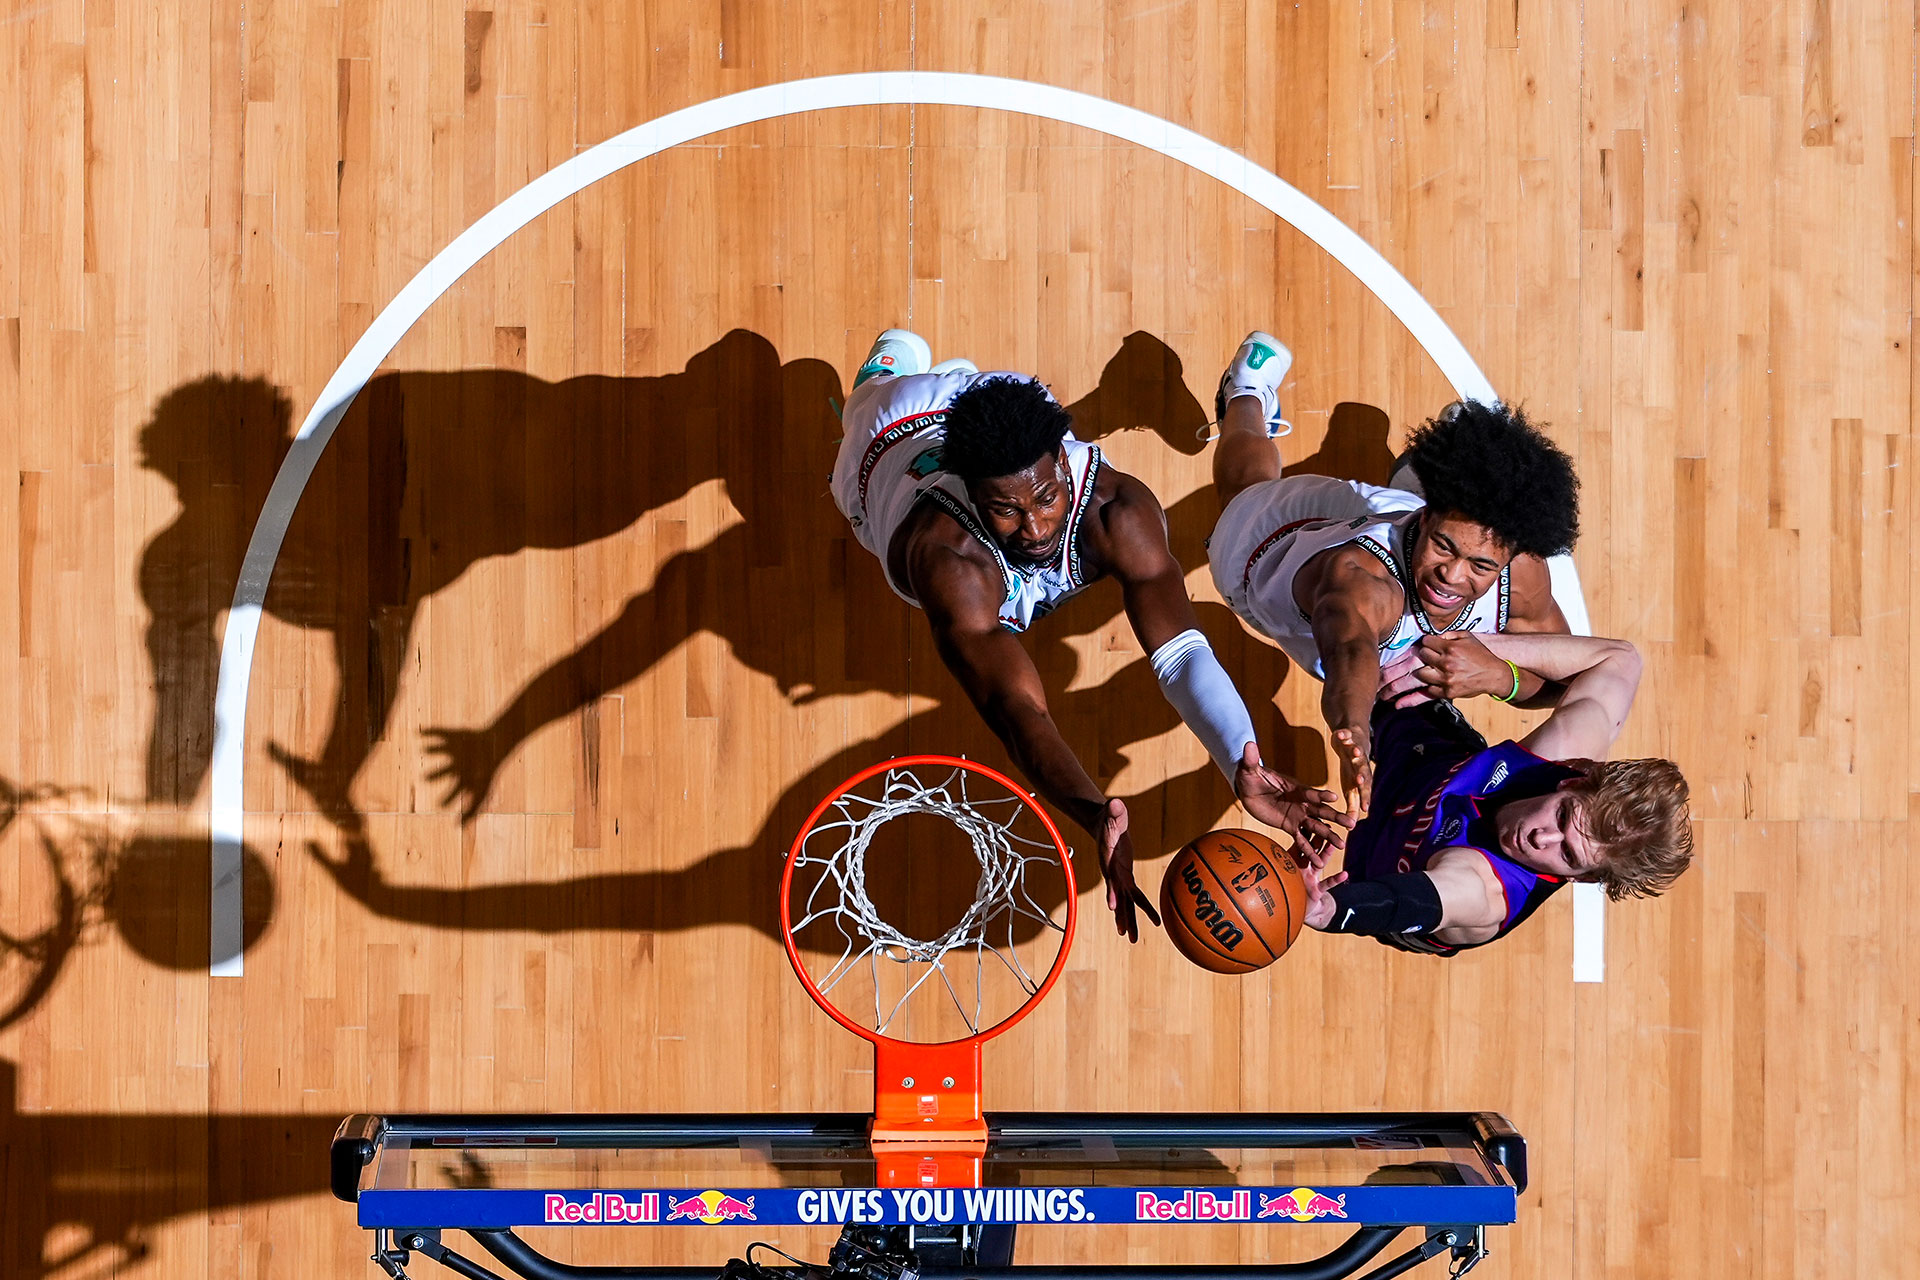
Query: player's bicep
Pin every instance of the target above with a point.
(1131, 538)
(1472, 901)
(963, 613)
(1352, 604)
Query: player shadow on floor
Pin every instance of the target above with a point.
(86, 1190)
(433, 473)
(1354, 448)
(1162, 816)
(82, 873)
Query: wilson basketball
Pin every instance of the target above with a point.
(1233, 901)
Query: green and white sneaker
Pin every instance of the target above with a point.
(955, 364)
(1258, 369)
(896, 352)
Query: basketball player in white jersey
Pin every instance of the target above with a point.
(986, 513)
(1346, 577)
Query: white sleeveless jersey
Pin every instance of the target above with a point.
(889, 463)
(1271, 529)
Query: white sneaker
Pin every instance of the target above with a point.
(1258, 369)
(898, 352)
(958, 364)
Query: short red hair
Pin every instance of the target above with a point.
(1636, 812)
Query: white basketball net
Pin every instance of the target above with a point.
(837, 848)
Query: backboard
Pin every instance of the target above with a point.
(1450, 1173)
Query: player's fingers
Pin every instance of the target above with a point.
(1146, 905)
(1399, 684)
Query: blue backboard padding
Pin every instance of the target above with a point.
(813, 1206)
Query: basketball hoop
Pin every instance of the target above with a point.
(936, 993)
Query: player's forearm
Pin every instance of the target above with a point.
(1602, 677)
(1199, 688)
(1537, 693)
(1563, 658)
(1034, 742)
(1353, 682)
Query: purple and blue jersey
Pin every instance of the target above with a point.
(1437, 785)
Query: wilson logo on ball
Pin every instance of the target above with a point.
(1207, 913)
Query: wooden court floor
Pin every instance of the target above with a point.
(570, 559)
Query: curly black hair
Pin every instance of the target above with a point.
(1000, 427)
(1488, 463)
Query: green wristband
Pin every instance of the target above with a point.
(1516, 681)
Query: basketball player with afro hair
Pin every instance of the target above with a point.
(1348, 577)
(986, 513)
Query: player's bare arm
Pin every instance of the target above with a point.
(1127, 538)
(1457, 664)
(1354, 604)
(1470, 902)
(1600, 677)
(959, 586)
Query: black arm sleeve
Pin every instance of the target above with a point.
(1399, 904)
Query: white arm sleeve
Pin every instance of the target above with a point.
(1197, 686)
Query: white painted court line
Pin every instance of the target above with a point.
(871, 88)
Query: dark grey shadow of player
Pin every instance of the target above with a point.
(432, 473)
(1140, 388)
(85, 1190)
(1163, 815)
(77, 878)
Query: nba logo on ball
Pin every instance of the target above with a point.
(1233, 901)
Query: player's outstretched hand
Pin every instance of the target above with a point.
(1116, 867)
(467, 761)
(1308, 814)
(1456, 665)
(1355, 749)
(1319, 900)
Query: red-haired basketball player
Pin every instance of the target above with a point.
(1346, 576)
(986, 513)
(1464, 841)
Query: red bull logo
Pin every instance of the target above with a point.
(1193, 1206)
(1303, 1204)
(710, 1207)
(602, 1207)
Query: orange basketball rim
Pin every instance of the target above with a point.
(928, 1124)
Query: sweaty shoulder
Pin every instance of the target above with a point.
(952, 576)
(1348, 575)
(1125, 524)
(1532, 607)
